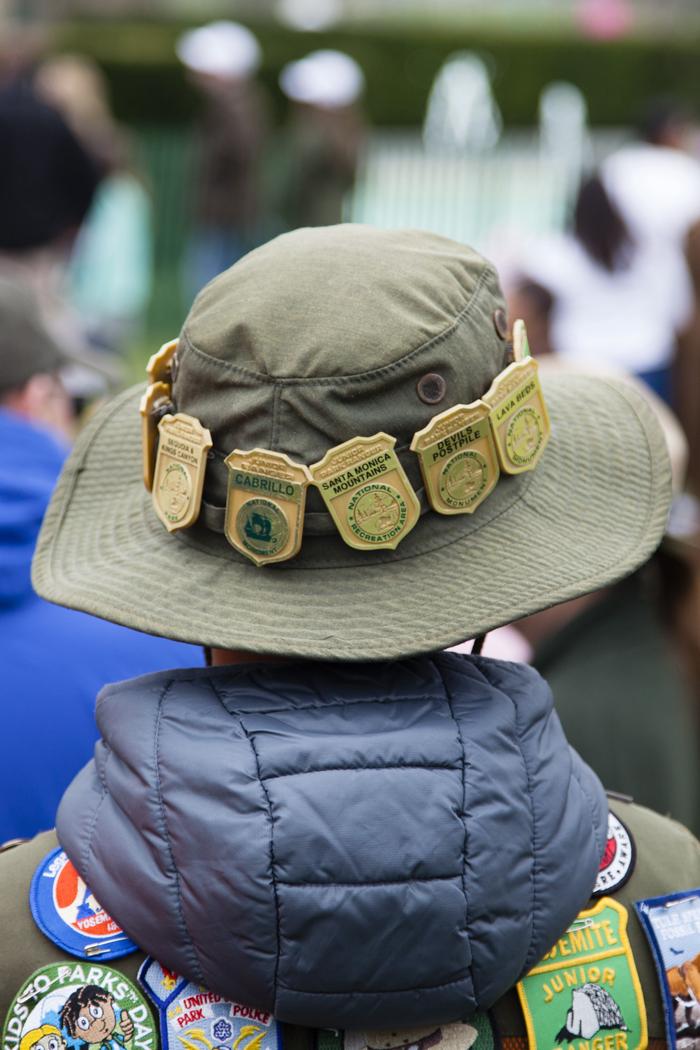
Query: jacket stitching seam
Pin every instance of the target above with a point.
(535, 844)
(326, 707)
(370, 884)
(591, 808)
(102, 774)
(389, 991)
(358, 769)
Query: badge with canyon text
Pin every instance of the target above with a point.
(265, 504)
(458, 458)
(519, 417)
(157, 396)
(159, 367)
(195, 1019)
(178, 480)
(366, 490)
(586, 988)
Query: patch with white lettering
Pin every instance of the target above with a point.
(65, 910)
(192, 1018)
(672, 926)
(585, 993)
(79, 1006)
(618, 860)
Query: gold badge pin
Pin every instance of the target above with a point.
(367, 492)
(265, 504)
(157, 396)
(458, 458)
(183, 444)
(518, 415)
(160, 363)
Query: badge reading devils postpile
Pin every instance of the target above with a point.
(183, 444)
(157, 396)
(265, 504)
(458, 458)
(518, 415)
(586, 992)
(160, 364)
(192, 1018)
(66, 912)
(367, 492)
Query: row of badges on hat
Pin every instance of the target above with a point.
(461, 452)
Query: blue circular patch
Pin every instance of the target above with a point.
(66, 912)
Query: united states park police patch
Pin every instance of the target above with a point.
(78, 1006)
(66, 911)
(192, 1018)
(617, 862)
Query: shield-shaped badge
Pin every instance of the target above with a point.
(367, 492)
(160, 364)
(156, 397)
(178, 481)
(518, 415)
(458, 458)
(265, 504)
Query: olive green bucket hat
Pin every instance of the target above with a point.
(319, 337)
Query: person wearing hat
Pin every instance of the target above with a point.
(342, 467)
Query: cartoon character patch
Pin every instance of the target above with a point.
(672, 925)
(617, 862)
(586, 992)
(475, 1034)
(76, 1006)
(192, 1018)
(65, 910)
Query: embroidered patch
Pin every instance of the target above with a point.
(192, 1018)
(475, 1034)
(618, 860)
(79, 1006)
(66, 912)
(672, 925)
(586, 992)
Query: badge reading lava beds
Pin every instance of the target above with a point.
(518, 415)
(265, 504)
(367, 492)
(183, 444)
(458, 458)
(158, 394)
(159, 364)
(585, 994)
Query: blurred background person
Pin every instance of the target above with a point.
(53, 660)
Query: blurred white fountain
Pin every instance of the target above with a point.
(462, 115)
(563, 129)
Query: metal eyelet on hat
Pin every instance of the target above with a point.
(500, 323)
(431, 388)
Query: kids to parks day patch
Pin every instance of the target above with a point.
(193, 1018)
(672, 925)
(585, 993)
(79, 1005)
(475, 1034)
(618, 860)
(65, 910)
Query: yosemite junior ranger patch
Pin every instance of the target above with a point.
(585, 994)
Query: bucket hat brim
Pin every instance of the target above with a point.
(593, 510)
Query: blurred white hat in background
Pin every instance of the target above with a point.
(329, 79)
(223, 49)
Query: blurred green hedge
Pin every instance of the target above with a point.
(149, 85)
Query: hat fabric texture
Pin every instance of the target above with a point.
(320, 336)
(26, 348)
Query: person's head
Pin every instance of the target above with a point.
(88, 1014)
(46, 1037)
(664, 122)
(599, 226)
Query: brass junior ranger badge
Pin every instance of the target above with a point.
(265, 504)
(458, 458)
(160, 363)
(367, 492)
(183, 444)
(157, 395)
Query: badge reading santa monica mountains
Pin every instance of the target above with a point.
(519, 418)
(367, 492)
(265, 504)
(458, 458)
(183, 444)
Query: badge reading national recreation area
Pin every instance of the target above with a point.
(518, 416)
(265, 504)
(672, 925)
(617, 862)
(178, 480)
(366, 490)
(157, 396)
(586, 993)
(66, 912)
(192, 1018)
(475, 1034)
(458, 458)
(160, 364)
(77, 1006)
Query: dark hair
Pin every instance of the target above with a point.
(89, 993)
(660, 116)
(599, 226)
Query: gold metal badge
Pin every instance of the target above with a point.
(458, 458)
(265, 504)
(367, 492)
(157, 395)
(518, 415)
(183, 444)
(160, 363)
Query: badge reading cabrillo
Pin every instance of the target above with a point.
(265, 504)
(367, 492)
(458, 458)
(518, 415)
(157, 395)
(179, 475)
(585, 994)
(159, 364)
